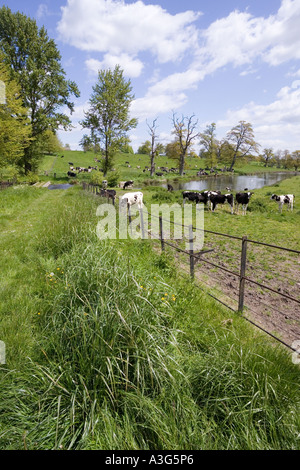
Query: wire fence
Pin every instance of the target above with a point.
(257, 280)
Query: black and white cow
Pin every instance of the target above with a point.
(243, 198)
(195, 196)
(127, 183)
(133, 198)
(216, 198)
(284, 199)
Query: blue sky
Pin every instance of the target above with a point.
(221, 60)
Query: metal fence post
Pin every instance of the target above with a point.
(161, 235)
(242, 274)
(191, 250)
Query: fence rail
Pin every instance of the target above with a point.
(198, 260)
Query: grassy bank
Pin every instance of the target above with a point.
(55, 164)
(108, 348)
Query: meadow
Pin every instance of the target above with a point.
(58, 165)
(107, 347)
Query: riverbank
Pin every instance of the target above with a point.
(131, 166)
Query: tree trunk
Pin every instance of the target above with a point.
(152, 170)
(233, 162)
(181, 164)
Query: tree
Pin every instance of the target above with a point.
(286, 160)
(184, 130)
(173, 150)
(145, 148)
(210, 145)
(242, 139)
(15, 127)
(296, 159)
(34, 62)
(86, 143)
(267, 156)
(108, 117)
(153, 152)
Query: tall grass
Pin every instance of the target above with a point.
(129, 356)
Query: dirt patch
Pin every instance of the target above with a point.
(274, 304)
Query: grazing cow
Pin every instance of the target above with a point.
(284, 199)
(71, 174)
(133, 198)
(159, 174)
(243, 198)
(195, 196)
(216, 198)
(127, 183)
(109, 193)
(70, 163)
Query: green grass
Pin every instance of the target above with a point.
(108, 348)
(55, 164)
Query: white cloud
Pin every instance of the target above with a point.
(115, 27)
(276, 122)
(132, 67)
(152, 105)
(240, 38)
(42, 11)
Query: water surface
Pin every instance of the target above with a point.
(234, 182)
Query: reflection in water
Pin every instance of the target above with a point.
(235, 182)
(59, 186)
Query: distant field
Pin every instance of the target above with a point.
(58, 165)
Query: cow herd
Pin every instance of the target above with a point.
(214, 198)
(209, 198)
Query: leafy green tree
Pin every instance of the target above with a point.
(86, 143)
(287, 161)
(35, 63)
(15, 126)
(241, 137)
(210, 145)
(267, 156)
(296, 159)
(145, 148)
(108, 117)
(50, 143)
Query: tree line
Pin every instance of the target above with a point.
(238, 144)
(36, 89)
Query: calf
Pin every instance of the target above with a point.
(127, 183)
(216, 198)
(133, 198)
(243, 198)
(71, 174)
(284, 199)
(109, 193)
(170, 187)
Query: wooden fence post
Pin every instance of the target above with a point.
(192, 259)
(242, 274)
(161, 235)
